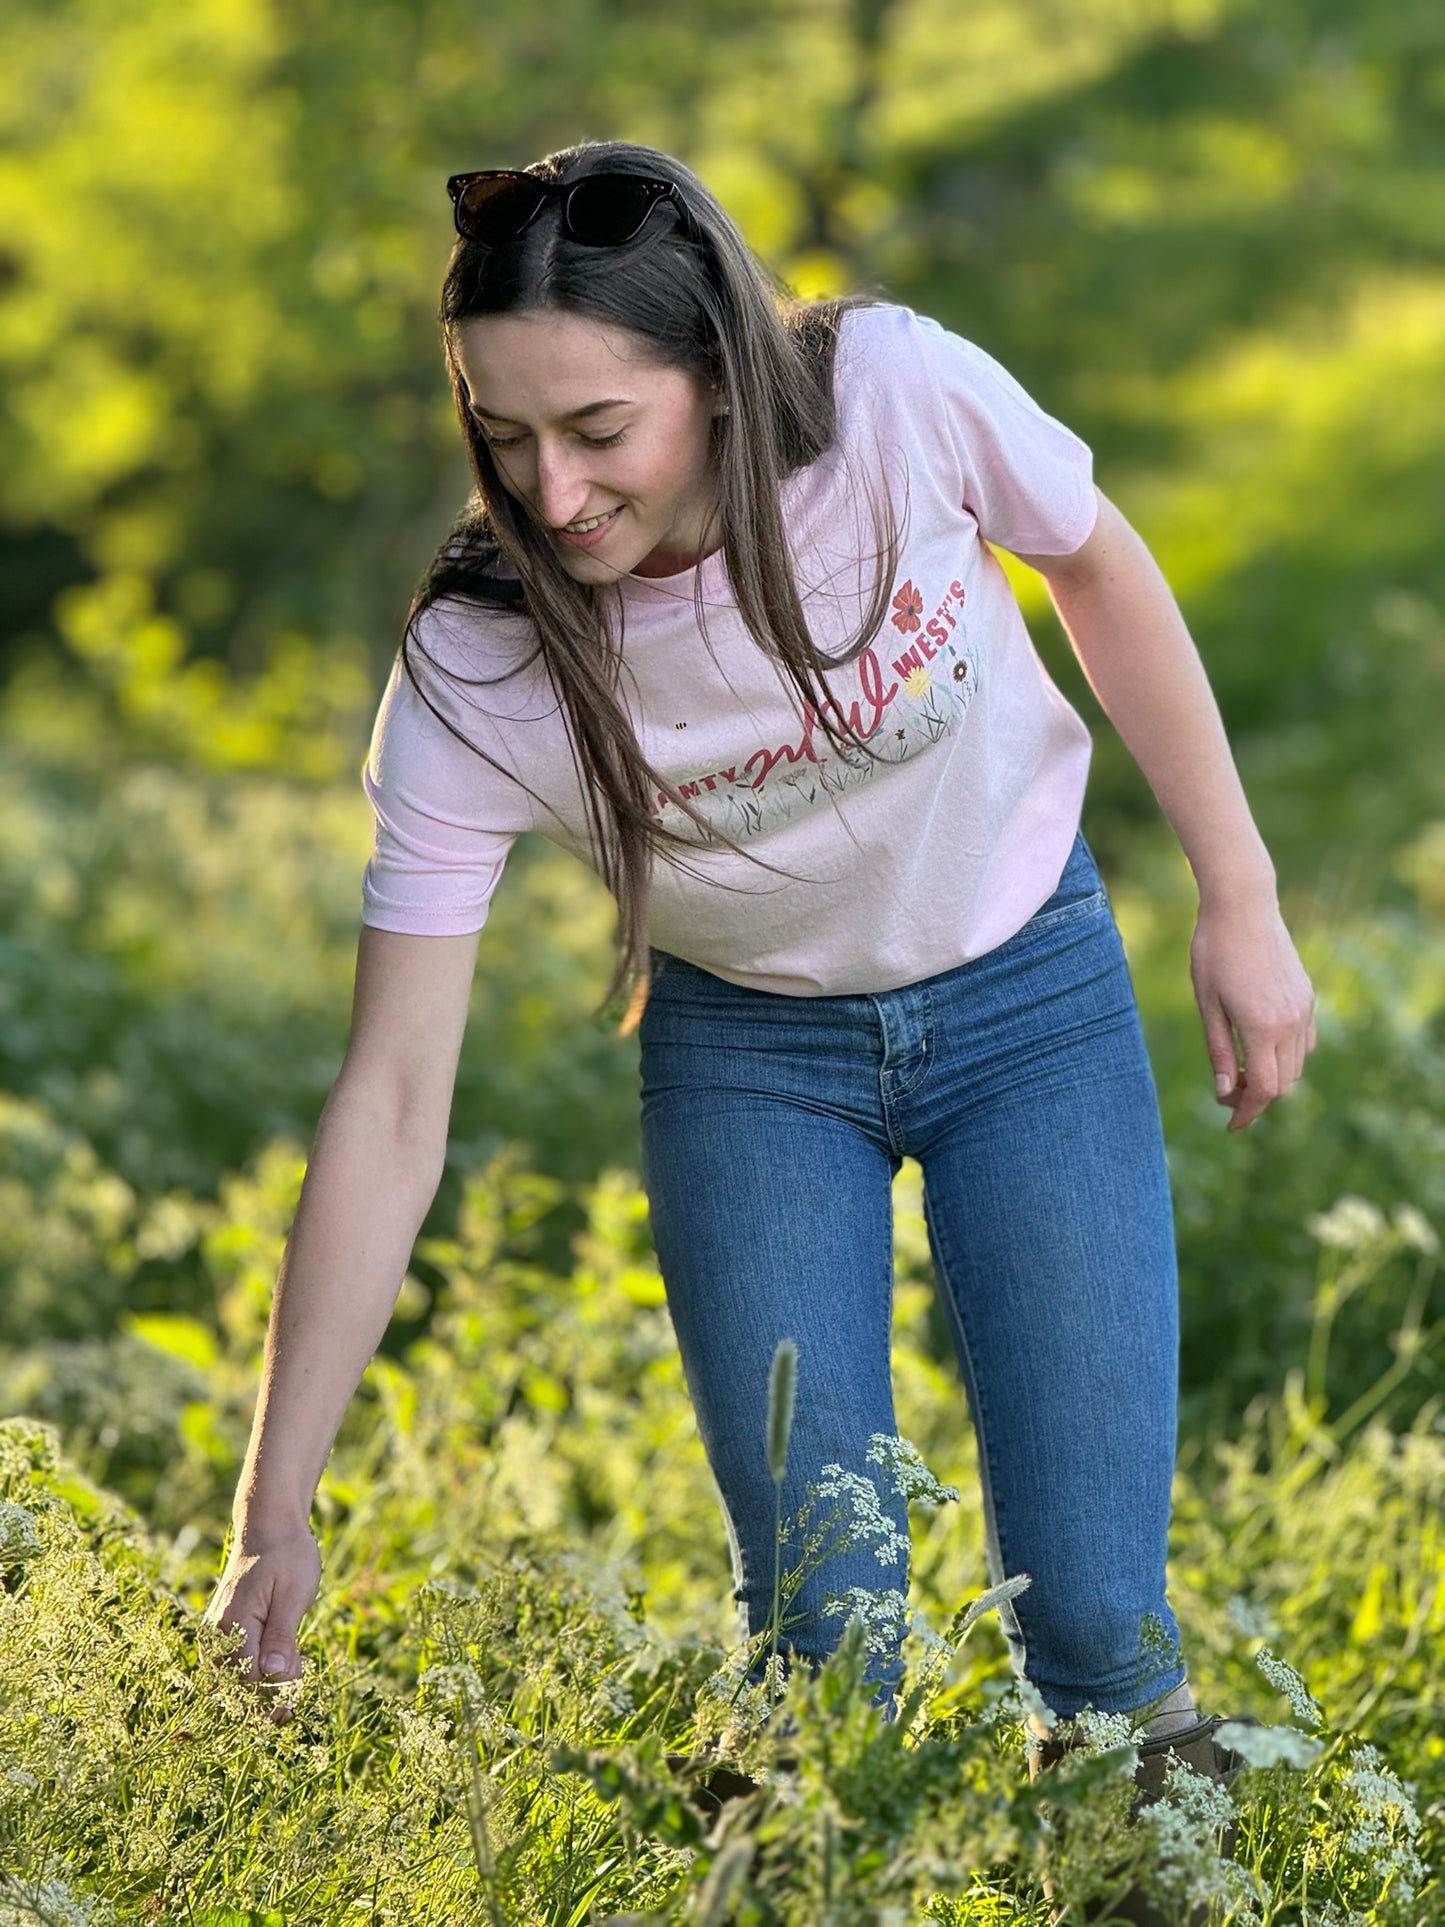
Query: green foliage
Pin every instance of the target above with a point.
(1263, 1254)
(520, 1623)
(1202, 232)
(176, 950)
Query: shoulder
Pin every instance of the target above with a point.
(942, 383)
(871, 333)
(465, 640)
(905, 360)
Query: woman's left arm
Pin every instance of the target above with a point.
(1141, 663)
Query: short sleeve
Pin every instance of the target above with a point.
(445, 817)
(1027, 480)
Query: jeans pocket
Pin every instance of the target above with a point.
(1080, 892)
(1054, 914)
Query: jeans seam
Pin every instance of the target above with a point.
(993, 1531)
(891, 1089)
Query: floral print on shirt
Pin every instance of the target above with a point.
(903, 705)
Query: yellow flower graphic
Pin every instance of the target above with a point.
(918, 682)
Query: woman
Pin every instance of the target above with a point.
(721, 620)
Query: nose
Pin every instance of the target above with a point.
(562, 485)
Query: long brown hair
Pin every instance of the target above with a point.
(693, 291)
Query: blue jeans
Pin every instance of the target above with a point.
(772, 1128)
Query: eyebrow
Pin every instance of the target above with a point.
(577, 414)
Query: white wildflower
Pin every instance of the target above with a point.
(19, 1531)
(461, 1682)
(1102, 1732)
(481, 1716)
(868, 1520)
(1253, 1620)
(1415, 1229)
(1185, 1828)
(1266, 1746)
(884, 1615)
(1349, 1224)
(912, 1480)
(1284, 1679)
(1386, 1823)
(24, 1902)
(426, 1741)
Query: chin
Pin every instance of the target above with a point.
(595, 566)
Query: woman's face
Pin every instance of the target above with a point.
(581, 424)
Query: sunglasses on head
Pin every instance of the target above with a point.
(599, 211)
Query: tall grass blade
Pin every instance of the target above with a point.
(782, 1389)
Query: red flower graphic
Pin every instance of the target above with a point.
(909, 604)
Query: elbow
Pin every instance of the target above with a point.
(405, 1130)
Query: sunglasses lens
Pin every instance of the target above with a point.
(608, 209)
(498, 206)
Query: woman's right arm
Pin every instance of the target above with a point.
(374, 1168)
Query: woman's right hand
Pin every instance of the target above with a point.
(270, 1579)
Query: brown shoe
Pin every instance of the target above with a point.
(710, 1783)
(1199, 1749)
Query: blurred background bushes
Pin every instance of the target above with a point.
(1203, 232)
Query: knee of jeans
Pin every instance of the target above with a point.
(1104, 1652)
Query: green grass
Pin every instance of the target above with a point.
(521, 1612)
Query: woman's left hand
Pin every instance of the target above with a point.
(1251, 985)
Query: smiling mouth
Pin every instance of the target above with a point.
(592, 522)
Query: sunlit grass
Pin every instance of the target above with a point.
(521, 1614)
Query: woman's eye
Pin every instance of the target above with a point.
(592, 441)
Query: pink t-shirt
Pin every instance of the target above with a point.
(883, 871)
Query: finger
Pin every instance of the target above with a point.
(279, 1657)
(1298, 1052)
(1219, 1042)
(1261, 1082)
(1286, 1064)
(1290, 1068)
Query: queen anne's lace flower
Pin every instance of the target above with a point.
(1349, 1223)
(912, 1480)
(1386, 1823)
(23, 1903)
(1284, 1679)
(884, 1615)
(19, 1531)
(1102, 1732)
(866, 1520)
(1266, 1746)
(425, 1741)
(462, 1686)
(1415, 1229)
(1253, 1620)
(1185, 1827)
